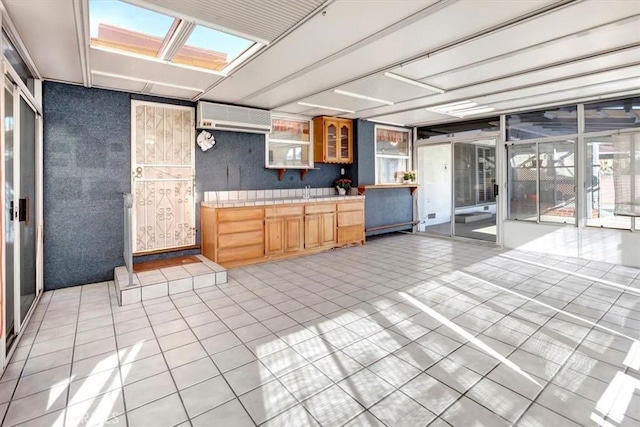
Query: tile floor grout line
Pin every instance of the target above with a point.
(115, 338)
(564, 363)
(300, 402)
(166, 362)
(15, 388)
(73, 352)
(215, 364)
(480, 333)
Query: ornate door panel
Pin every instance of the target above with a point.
(163, 143)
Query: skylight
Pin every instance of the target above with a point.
(208, 48)
(121, 26)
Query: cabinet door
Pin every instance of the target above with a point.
(331, 141)
(273, 242)
(312, 231)
(345, 155)
(293, 234)
(328, 229)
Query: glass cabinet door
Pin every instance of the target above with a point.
(344, 142)
(332, 141)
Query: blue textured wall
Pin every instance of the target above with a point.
(86, 170)
(382, 206)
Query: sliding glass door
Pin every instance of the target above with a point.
(27, 207)
(474, 172)
(21, 207)
(457, 193)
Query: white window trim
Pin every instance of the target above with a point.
(408, 157)
(267, 141)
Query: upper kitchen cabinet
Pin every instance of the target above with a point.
(332, 140)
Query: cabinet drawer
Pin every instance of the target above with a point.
(284, 211)
(350, 218)
(240, 214)
(241, 239)
(319, 208)
(354, 233)
(239, 226)
(351, 206)
(237, 254)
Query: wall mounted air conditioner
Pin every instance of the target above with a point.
(229, 117)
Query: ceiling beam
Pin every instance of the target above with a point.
(547, 43)
(81, 20)
(396, 27)
(397, 108)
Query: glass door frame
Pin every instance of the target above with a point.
(20, 93)
(499, 166)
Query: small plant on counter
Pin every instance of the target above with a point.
(409, 175)
(344, 183)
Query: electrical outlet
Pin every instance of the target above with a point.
(341, 171)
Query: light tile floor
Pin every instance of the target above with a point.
(405, 331)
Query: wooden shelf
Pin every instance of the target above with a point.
(303, 172)
(412, 187)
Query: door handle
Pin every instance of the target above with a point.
(11, 211)
(23, 210)
(495, 189)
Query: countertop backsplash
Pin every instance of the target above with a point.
(262, 197)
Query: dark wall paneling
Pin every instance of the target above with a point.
(365, 145)
(387, 206)
(86, 171)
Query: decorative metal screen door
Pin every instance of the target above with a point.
(162, 159)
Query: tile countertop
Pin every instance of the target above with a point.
(278, 201)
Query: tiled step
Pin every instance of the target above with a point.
(167, 281)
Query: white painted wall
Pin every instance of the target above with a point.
(597, 244)
(434, 178)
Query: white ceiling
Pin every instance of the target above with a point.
(510, 55)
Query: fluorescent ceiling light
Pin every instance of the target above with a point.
(306, 104)
(477, 110)
(413, 82)
(387, 123)
(461, 105)
(357, 95)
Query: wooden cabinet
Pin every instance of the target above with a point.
(320, 225)
(283, 228)
(240, 236)
(233, 234)
(350, 222)
(332, 140)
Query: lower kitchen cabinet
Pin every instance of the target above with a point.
(245, 235)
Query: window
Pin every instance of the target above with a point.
(544, 123)
(393, 154)
(613, 180)
(124, 27)
(13, 57)
(612, 115)
(542, 182)
(289, 144)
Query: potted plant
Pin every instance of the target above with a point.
(343, 185)
(409, 176)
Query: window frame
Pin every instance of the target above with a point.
(634, 223)
(408, 158)
(536, 143)
(268, 140)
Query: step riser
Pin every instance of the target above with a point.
(157, 284)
